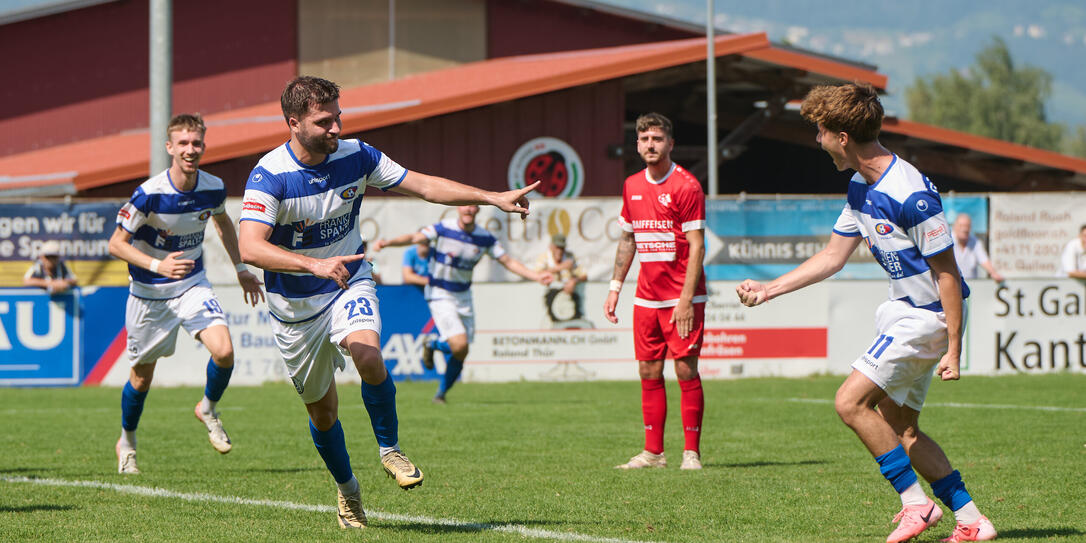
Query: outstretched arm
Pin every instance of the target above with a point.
(823, 264)
(623, 259)
(399, 241)
(520, 269)
(250, 284)
(446, 191)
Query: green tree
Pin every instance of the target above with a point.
(993, 98)
(1076, 145)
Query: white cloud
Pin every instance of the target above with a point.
(916, 38)
(796, 34)
(1036, 31)
(1019, 31)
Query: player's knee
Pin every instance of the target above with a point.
(224, 356)
(847, 408)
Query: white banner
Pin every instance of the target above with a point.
(1027, 232)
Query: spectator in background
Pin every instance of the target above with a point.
(416, 264)
(1073, 259)
(561, 264)
(562, 301)
(48, 271)
(969, 251)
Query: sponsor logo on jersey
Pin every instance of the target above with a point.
(651, 224)
(252, 206)
(124, 213)
(664, 199)
(921, 205)
(938, 232)
(883, 228)
(205, 215)
(635, 197)
(348, 192)
(320, 179)
(257, 178)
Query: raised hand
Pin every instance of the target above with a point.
(516, 201)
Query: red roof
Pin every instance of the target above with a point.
(982, 144)
(248, 131)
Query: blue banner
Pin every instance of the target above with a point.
(405, 325)
(82, 229)
(39, 338)
(765, 238)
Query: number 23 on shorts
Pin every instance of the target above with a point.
(358, 308)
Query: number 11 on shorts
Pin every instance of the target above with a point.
(880, 345)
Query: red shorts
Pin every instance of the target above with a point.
(655, 335)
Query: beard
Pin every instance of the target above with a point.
(319, 145)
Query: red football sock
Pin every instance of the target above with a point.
(692, 403)
(654, 411)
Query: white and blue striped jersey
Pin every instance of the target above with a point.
(901, 219)
(313, 211)
(163, 220)
(455, 254)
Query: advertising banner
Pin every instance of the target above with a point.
(763, 238)
(39, 338)
(81, 229)
(1029, 231)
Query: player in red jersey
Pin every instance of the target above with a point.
(663, 220)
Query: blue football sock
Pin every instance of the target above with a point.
(380, 403)
(441, 345)
(453, 367)
(131, 406)
(951, 491)
(333, 449)
(217, 380)
(897, 469)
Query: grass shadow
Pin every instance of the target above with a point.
(1039, 533)
(467, 527)
(36, 507)
(766, 463)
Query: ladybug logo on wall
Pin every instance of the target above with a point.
(550, 160)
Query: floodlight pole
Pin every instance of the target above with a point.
(710, 97)
(161, 107)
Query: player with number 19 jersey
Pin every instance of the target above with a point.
(659, 213)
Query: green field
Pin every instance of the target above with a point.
(532, 462)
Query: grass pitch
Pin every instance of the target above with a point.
(532, 462)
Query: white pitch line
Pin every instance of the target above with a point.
(202, 497)
(968, 405)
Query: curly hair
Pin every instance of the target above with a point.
(654, 120)
(853, 108)
(304, 92)
(192, 122)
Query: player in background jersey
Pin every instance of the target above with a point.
(160, 233)
(300, 224)
(458, 246)
(663, 222)
(897, 212)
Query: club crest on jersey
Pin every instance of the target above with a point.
(665, 199)
(205, 215)
(883, 228)
(348, 193)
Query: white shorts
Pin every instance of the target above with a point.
(454, 316)
(311, 348)
(152, 324)
(908, 346)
